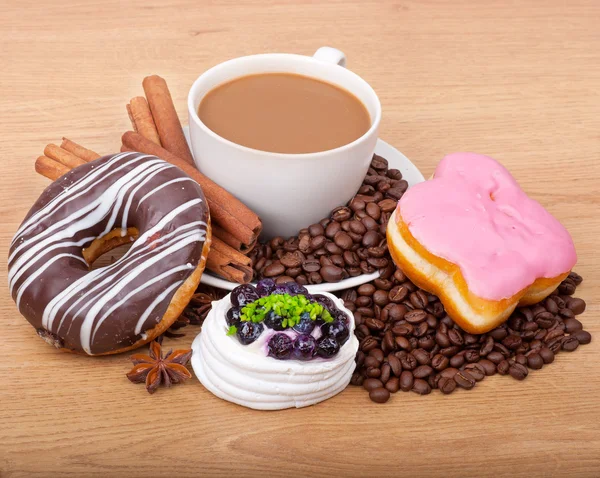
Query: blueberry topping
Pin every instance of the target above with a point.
(273, 321)
(243, 295)
(280, 346)
(306, 324)
(296, 289)
(265, 287)
(326, 302)
(327, 346)
(248, 332)
(233, 316)
(336, 329)
(304, 347)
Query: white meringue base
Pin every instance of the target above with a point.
(245, 375)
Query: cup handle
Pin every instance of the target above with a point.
(331, 55)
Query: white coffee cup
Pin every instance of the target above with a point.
(288, 191)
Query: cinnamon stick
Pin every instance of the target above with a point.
(228, 212)
(229, 263)
(72, 147)
(49, 168)
(165, 117)
(63, 156)
(142, 120)
(231, 240)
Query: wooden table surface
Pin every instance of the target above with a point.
(518, 80)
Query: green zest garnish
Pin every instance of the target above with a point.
(289, 307)
(232, 330)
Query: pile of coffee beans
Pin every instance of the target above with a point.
(348, 243)
(408, 342)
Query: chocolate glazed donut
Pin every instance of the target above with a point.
(128, 197)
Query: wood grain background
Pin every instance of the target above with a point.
(518, 80)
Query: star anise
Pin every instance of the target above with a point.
(201, 303)
(156, 370)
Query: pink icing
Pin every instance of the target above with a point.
(474, 214)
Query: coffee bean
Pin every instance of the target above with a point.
(274, 269)
(343, 240)
(576, 305)
(422, 371)
(406, 381)
(583, 337)
(464, 380)
(370, 223)
(477, 371)
(332, 229)
(457, 361)
(366, 289)
(547, 355)
(446, 385)
(393, 384)
(520, 358)
(317, 242)
(455, 337)
(442, 339)
(409, 362)
(439, 362)
(385, 372)
(571, 343)
(380, 298)
(567, 287)
(498, 333)
(422, 356)
(398, 294)
(419, 299)
(374, 324)
(379, 163)
(503, 367)
(421, 387)
(332, 273)
(370, 361)
(487, 346)
(371, 239)
(379, 395)
(368, 343)
(488, 366)
(395, 365)
(292, 259)
(341, 214)
(535, 361)
(397, 312)
(373, 210)
(373, 372)
(371, 384)
(415, 316)
(449, 351)
(518, 371)
(472, 356)
(311, 265)
(572, 326)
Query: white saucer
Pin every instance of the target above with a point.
(396, 160)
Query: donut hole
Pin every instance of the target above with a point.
(97, 253)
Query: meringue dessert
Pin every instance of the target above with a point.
(276, 346)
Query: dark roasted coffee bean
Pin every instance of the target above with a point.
(387, 205)
(520, 358)
(583, 337)
(415, 316)
(385, 372)
(477, 371)
(370, 223)
(374, 210)
(449, 372)
(449, 351)
(406, 381)
(311, 265)
(368, 343)
(395, 365)
(378, 262)
(317, 242)
(379, 395)
(343, 240)
(512, 342)
(570, 344)
(426, 342)
(572, 326)
(341, 214)
(316, 230)
(402, 342)
(371, 384)
(422, 356)
(380, 297)
(535, 361)
(301, 279)
(408, 361)
(518, 371)
(503, 367)
(332, 229)
(366, 289)
(333, 248)
(464, 380)
(274, 269)
(377, 354)
(393, 384)
(457, 361)
(442, 339)
(488, 366)
(502, 349)
(566, 313)
(472, 356)
(419, 330)
(567, 287)
(283, 280)
(332, 273)
(292, 259)
(398, 294)
(555, 344)
(576, 305)
(552, 334)
(388, 343)
(547, 355)
(446, 385)
(421, 387)
(293, 271)
(439, 362)
(419, 299)
(371, 239)
(371, 361)
(374, 324)
(373, 372)
(499, 333)
(397, 312)
(487, 346)
(455, 337)
(422, 371)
